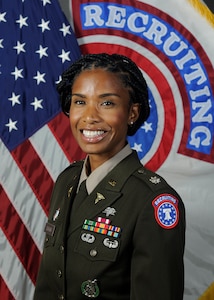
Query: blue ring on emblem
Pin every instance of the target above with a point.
(167, 215)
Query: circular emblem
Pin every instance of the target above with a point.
(166, 211)
(90, 288)
(167, 215)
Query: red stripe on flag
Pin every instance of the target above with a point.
(35, 173)
(19, 237)
(4, 291)
(60, 127)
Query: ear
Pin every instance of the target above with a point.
(134, 113)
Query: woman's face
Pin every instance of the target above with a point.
(100, 113)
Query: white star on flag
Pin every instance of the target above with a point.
(147, 126)
(39, 77)
(44, 25)
(46, 2)
(22, 21)
(37, 103)
(14, 99)
(137, 147)
(64, 56)
(19, 47)
(65, 29)
(2, 17)
(17, 73)
(11, 125)
(42, 51)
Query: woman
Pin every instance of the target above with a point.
(121, 237)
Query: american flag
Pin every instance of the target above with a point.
(36, 45)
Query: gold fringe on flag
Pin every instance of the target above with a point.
(203, 10)
(208, 294)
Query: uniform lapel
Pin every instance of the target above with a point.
(107, 191)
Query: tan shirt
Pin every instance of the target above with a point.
(99, 173)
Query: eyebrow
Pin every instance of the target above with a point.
(101, 96)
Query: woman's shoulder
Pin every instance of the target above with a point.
(152, 180)
(71, 170)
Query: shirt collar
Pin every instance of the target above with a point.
(99, 173)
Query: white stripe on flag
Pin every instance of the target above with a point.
(19, 283)
(29, 210)
(49, 151)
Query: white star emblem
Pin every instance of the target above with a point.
(137, 147)
(45, 2)
(22, 21)
(11, 125)
(14, 99)
(37, 103)
(19, 47)
(65, 29)
(39, 77)
(147, 126)
(64, 56)
(42, 51)
(17, 73)
(44, 25)
(1, 45)
(2, 17)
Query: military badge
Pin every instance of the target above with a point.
(56, 215)
(90, 288)
(49, 229)
(109, 211)
(166, 210)
(99, 197)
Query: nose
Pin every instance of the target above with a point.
(91, 114)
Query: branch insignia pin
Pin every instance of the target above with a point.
(99, 197)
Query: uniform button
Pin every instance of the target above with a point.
(61, 297)
(61, 249)
(47, 239)
(93, 252)
(59, 273)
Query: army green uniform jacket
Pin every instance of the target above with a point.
(124, 242)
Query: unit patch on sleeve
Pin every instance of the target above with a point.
(166, 210)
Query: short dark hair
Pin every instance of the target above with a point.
(126, 69)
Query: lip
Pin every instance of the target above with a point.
(93, 136)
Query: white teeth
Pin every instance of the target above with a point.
(91, 134)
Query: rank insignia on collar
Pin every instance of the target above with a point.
(112, 182)
(90, 288)
(99, 197)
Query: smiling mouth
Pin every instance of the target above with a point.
(93, 136)
(93, 133)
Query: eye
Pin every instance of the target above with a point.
(78, 102)
(108, 103)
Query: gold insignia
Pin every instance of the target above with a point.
(69, 191)
(112, 182)
(99, 197)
